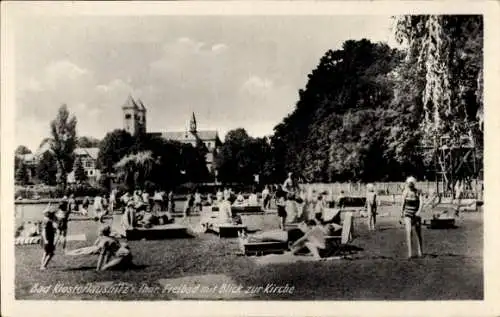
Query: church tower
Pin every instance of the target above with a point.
(192, 125)
(142, 117)
(134, 117)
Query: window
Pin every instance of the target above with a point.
(88, 164)
(128, 116)
(209, 145)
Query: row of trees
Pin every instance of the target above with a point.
(148, 161)
(367, 108)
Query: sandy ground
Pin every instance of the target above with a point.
(451, 269)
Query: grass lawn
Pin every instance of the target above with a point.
(451, 269)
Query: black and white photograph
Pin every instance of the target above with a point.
(330, 157)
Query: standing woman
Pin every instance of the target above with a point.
(410, 212)
(171, 202)
(371, 206)
(112, 200)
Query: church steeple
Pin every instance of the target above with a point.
(192, 124)
(134, 116)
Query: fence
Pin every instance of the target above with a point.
(390, 188)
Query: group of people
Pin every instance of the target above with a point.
(112, 252)
(307, 210)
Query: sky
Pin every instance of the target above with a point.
(231, 71)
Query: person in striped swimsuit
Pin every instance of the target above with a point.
(410, 212)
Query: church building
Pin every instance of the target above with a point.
(134, 122)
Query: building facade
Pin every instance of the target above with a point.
(134, 122)
(88, 157)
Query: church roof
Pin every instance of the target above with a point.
(130, 103)
(141, 105)
(207, 135)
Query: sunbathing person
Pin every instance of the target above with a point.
(253, 200)
(226, 214)
(314, 239)
(113, 254)
(129, 217)
(219, 196)
(240, 200)
(147, 220)
(308, 235)
(84, 208)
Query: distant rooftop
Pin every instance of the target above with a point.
(93, 152)
(206, 135)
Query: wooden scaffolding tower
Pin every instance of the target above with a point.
(455, 165)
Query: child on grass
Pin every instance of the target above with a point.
(48, 238)
(62, 219)
(281, 204)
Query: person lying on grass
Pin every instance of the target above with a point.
(112, 253)
(308, 235)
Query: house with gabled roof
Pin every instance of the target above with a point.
(88, 157)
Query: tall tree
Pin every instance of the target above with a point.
(135, 169)
(193, 163)
(337, 130)
(22, 176)
(22, 149)
(449, 50)
(241, 157)
(113, 148)
(46, 169)
(79, 171)
(63, 142)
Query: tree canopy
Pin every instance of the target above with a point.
(22, 149)
(63, 142)
(46, 169)
(85, 141)
(242, 156)
(367, 108)
(337, 129)
(448, 50)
